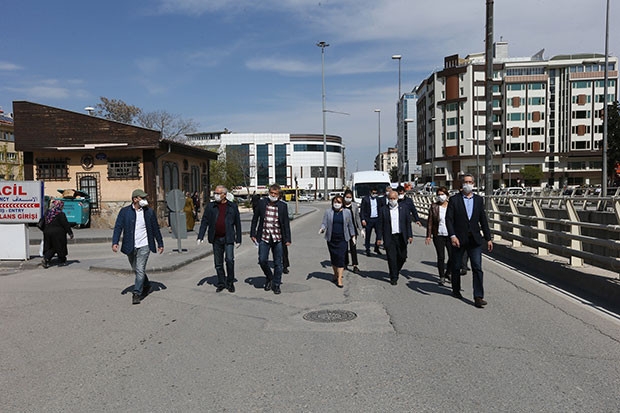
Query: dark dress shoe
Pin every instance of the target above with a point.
(378, 252)
(135, 299)
(356, 270)
(267, 285)
(231, 288)
(276, 289)
(463, 271)
(394, 281)
(478, 302)
(457, 295)
(368, 253)
(219, 289)
(285, 270)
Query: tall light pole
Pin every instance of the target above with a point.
(398, 57)
(378, 111)
(323, 45)
(605, 173)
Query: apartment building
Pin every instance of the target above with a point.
(546, 116)
(11, 161)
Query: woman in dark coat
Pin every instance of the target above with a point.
(55, 234)
(339, 229)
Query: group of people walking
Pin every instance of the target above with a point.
(456, 225)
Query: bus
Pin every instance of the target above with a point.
(363, 181)
(290, 194)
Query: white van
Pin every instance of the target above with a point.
(363, 181)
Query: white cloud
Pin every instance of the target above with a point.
(8, 66)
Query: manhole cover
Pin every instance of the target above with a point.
(330, 316)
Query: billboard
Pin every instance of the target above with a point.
(21, 201)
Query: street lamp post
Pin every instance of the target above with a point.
(379, 135)
(323, 45)
(605, 109)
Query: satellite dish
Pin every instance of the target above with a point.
(89, 109)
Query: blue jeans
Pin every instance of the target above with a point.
(220, 247)
(263, 260)
(475, 258)
(137, 259)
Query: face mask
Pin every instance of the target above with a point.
(273, 198)
(442, 198)
(373, 195)
(337, 206)
(387, 193)
(468, 188)
(401, 196)
(143, 202)
(217, 197)
(393, 203)
(348, 200)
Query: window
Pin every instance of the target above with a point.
(576, 145)
(577, 165)
(280, 163)
(451, 107)
(515, 86)
(536, 86)
(537, 101)
(262, 164)
(581, 114)
(52, 169)
(582, 84)
(89, 182)
(451, 121)
(302, 147)
(516, 116)
(451, 136)
(124, 169)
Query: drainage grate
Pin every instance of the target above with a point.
(330, 316)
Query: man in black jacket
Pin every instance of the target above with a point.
(465, 219)
(270, 230)
(224, 223)
(369, 213)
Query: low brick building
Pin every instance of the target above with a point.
(105, 159)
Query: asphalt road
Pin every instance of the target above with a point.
(72, 342)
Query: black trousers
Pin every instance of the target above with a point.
(442, 244)
(396, 255)
(353, 252)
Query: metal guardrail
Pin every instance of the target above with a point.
(581, 228)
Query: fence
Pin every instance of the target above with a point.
(578, 226)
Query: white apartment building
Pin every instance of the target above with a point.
(547, 114)
(387, 160)
(290, 160)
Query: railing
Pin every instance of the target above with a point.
(581, 228)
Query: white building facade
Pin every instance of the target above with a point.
(547, 115)
(290, 160)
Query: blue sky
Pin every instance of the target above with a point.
(253, 65)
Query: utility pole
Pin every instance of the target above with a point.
(488, 155)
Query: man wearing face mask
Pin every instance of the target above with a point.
(270, 230)
(369, 213)
(138, 225)
(352, 206)
(394, 230)
(465, 219)
(408, 202)
(223, 222)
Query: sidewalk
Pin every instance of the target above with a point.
(93, 246)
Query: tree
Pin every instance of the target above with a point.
(116, 110)
(394, 175)
(171, 126)
(231, 169)
(613, 139)
(532, 174)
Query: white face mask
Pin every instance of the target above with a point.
(143, 203)
(348, 200)
(217, 197)
(373, 195)
(442, 198)
(337, 206)
(393, 203)
(401, 196)
(468, 188)
(273, 198)
(387, 193)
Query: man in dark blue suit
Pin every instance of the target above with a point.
(465, 219)
(394, 230)
(369, 213)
